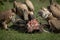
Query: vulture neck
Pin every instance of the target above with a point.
(50, 17)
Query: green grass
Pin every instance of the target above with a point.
(15, 35)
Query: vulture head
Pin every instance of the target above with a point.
(44, 12)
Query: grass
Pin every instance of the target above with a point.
(15, 35)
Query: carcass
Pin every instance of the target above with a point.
(33, 25)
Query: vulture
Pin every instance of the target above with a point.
(53, 21)
(21, 10)
(55, 9)
(5, 17)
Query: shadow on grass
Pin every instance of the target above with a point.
(20, 29)
(23, 29)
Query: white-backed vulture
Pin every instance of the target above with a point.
(55, 11)
(22, 10)
(30, 5)
(53, 22)
(6, 17)
(55, 8)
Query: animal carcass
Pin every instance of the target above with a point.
(34, 25)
